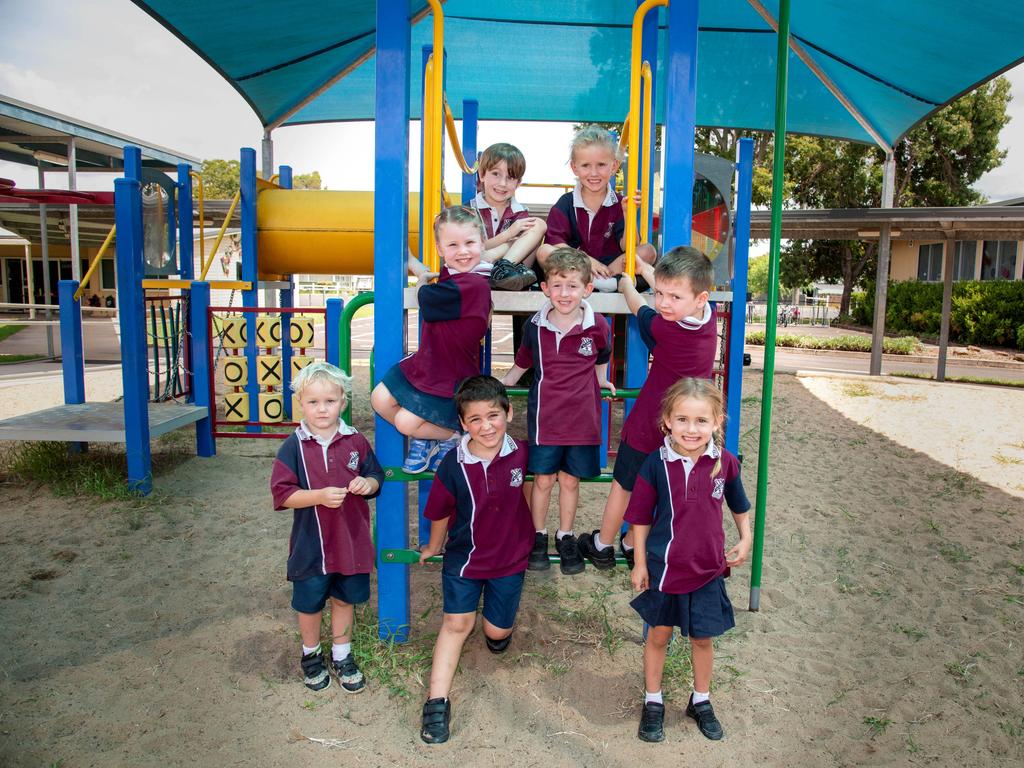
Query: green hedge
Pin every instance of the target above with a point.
(987, 312)
(906, 345)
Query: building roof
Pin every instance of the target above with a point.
(981, 222)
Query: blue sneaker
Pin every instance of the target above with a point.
(420, 452)
(442, 449)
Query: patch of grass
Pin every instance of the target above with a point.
(8, 330)
(961, 670)
(678, 674)
(1006, 460)
(877, 725)
(18, 358)
(856, 389)
(309, 705)
(904, 345)
(587, 622)
(1013, 730)
(393, 665)
(911, 632)
(955, 552)
(961, 379)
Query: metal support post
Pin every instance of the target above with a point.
(949, 249)
(199, 306)
(738, 320)
(470, 115)
(680, 121)
(76, 259)
(286, 298)
(72, 358)
(44, 249)
(390, 246)
(332, 331)
(882, 274)
(250, 298)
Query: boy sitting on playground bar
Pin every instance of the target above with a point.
(565, 343)
(512, 235)
(476, 501)
(325, 471)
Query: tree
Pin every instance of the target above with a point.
(936, 164)
(221, 180)
(306, 181)
(757, 275)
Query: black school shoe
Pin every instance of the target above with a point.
(628, 554)
(570, 561)
(602, 559)
(497, 646)
(704, 714)
(351, 679)
(538, 560)
(437, 715)
(314, 671)
(506, 276)
(652, 722)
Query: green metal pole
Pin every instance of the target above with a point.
(345, 340)
(778, 169)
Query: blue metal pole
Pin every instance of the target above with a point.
(470, 116)
(738, 321)
(72, 359)
(332, 327)
(199, 306)
(250, 298)
(390, 245)
(680, 121)
(186, 256)
(286, 299)
(131, 311)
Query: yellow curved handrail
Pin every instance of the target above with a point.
(453, 137)
(634, 130)
(95, 262)
(220, 235)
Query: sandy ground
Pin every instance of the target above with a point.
(889, 632)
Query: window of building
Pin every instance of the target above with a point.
(999, 260)
(964, 259)
(929, 262)
(107, 280)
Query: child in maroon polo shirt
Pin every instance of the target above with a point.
(416, 394)
(591, 217)
(681, 333)
(512, 233)
(681, 559)
(325, 471)
(479, 514)
(565, 343)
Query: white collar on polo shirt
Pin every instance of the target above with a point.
(541, 318)
(693, 323)
(305, 433)
(480, 203)
(577, 197)
(467, 457)
(669, 454)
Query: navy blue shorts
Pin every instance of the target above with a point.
(436, 410)
(575, 460)
(627, 465)
(310, 595)
(501, 596)
(706, 612)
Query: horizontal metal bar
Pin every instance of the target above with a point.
(399, 475)
(411, 556)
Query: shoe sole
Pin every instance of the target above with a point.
(705, 734)
(650, 739)
(323, 687)
(601, 565)
(537, 565)
(572, 570)
(360, 689)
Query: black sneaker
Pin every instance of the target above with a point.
(437, 715)
(539, 554)
(628, 554)
(569, 554)
(506, 276)
(497, 646)
(704, 714)
(348, 673)
(602, 559)
(314, 671)
(652, 722)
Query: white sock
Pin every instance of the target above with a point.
(627, 547)
(559, 534)
(600, 544)
(544, 531)
(306, 651)
(340, 650)
(654, 698)
(699, 698)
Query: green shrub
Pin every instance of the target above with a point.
(905, 345)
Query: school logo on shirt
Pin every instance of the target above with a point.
(517, 478)
(353, 460)
(719, 488)
(587, 346)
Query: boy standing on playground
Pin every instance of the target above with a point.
(565, 343)
(512, 235)
(592, 216)
(325, 472)
(682, 336)
(476, 505)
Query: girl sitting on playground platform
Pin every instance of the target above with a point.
(416, 394)
(592, 216)
(681, 560)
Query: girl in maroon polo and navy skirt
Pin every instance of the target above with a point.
(681, 560)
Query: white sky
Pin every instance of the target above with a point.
(106, 62)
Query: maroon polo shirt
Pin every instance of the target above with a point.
(598, 236)
(454, 312)
(678, 349)
(496, 222)
(325, 540)
(564, 406)
(490, 531)
(686, 543)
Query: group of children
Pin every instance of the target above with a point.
(671, 472)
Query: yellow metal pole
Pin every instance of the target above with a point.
(95, 263)
(437, 117)
(645, 163)
(634, 130)
(453, 137)
(427, 195)
(220, 235)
